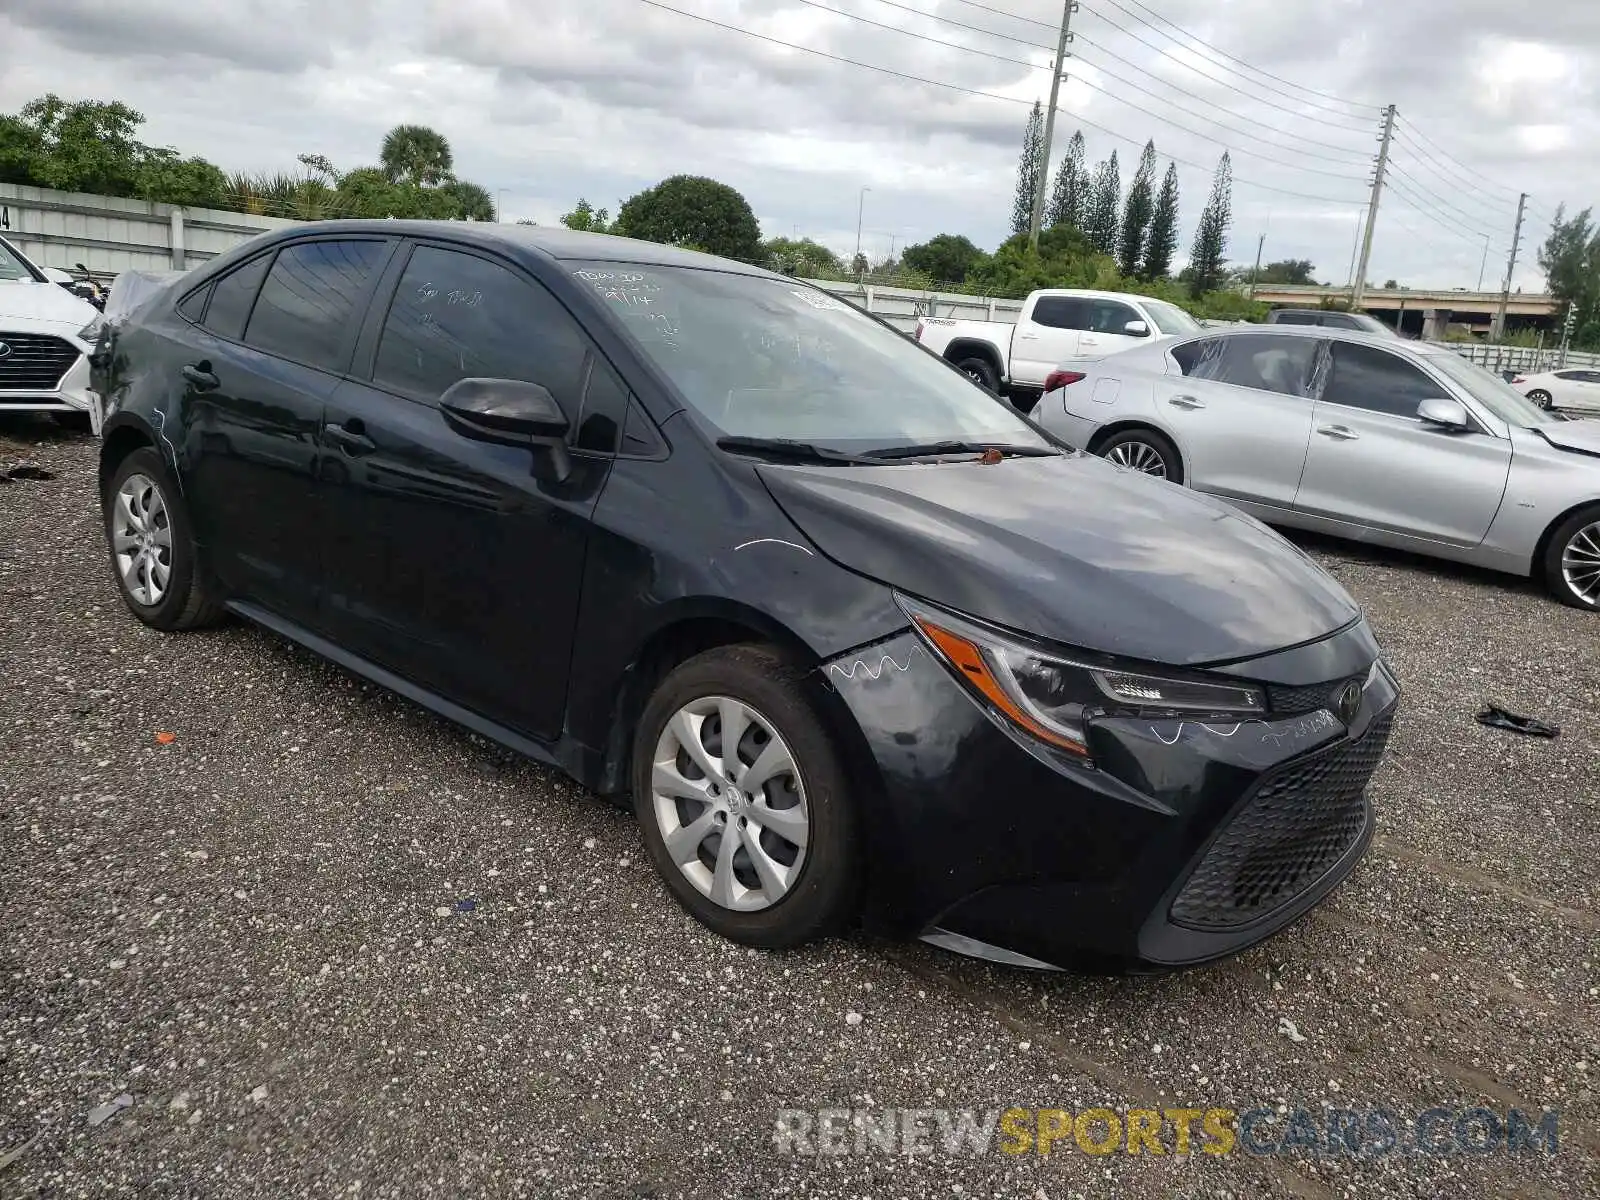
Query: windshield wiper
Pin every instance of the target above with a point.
(790, 450)
(928, 449)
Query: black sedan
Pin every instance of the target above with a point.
(858, 640)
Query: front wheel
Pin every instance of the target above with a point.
(743, 801)
(981, 371)
(1143, 450)
(152, 548)
(1542, 398)
(1572, 560)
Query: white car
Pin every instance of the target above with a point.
(46, 336)
(1570, 388)
(1056, 325)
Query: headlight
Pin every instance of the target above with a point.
(91, 332)
(1053, 697)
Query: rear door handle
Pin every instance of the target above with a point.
(1186, 402)
(1341, 433)
(351, 437)
(201, 376)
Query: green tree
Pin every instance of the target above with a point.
(1206, 259)
(1071, 185)
(1570, 260)
(586, 218)
(695, 211)
(944, 258)
(416, 154)
(467, 201)
(1288, 270)
(1029, 168)
(192, 182)
(1102, 211)
(80, 145)
(1162, 240)
(1065, 259)
(801, 257)
(1138, 213)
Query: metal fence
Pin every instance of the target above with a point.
(1525, 359)
(110, 234)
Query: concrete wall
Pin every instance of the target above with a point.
(109, 234)
(902, 306)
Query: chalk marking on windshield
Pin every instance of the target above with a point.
(874, 672)
(774, 541)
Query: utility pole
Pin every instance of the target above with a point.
(1358, 286)
(1057, 74)
(1497, 329)
(861, 207)
(1566, 331)
(1483, 263)
(1255, 271)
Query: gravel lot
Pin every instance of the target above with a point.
(256, 932)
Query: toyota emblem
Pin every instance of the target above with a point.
(1348, 702)
(5, 350)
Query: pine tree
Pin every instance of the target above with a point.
(1163, 237)
(1103, 206)
(1206, 263)
(1137, 214)
(1029, 168)
(1067, 195)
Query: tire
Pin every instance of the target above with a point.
(184, 599)
(1542, 398)
(820, 880)
(78, 422)
(1573, 550)
(1144, 450)
(981, 371)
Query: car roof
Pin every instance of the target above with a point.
(1093, 294)
(550, 241)
(1386, 341)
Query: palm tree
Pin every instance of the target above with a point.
(416, 154)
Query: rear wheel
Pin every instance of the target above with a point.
(1143, 450)
(743, 801)
(1542, 398)
(1572, 560)
(152, 549)
(981, 371)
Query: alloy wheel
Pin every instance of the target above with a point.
(730, 803)
(1140, 456)
(1580, 564)
(1541, 398)
(141, 539)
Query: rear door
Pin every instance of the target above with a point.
(1047, 333)
(1107, 331)
(1373, 464)
(1241, 410)
(1578, 389)
(456, 563)
(273, 337)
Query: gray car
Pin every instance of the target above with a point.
(1352, 434)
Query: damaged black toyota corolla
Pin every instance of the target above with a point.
(858, 639)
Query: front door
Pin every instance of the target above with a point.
(1106, 329)
(1374, 465)
(457, 563)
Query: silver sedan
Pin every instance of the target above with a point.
(1365, 437)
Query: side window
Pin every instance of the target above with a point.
(605, 407)
(1571, 376)
(1283, 363)
(639, 435)
(1293, 318)
(313, 293)
(1109, 316)
(1189, 354)
(1377, 381)
(457, 316)
(232, 296)
(1060, 312)
(193, 306)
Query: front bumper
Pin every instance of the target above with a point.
(68, 393)
(1183, 842)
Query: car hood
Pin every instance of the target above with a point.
(1071, 549)
(1583, 436)
(47, 302)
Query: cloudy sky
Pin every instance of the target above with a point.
(550, 100)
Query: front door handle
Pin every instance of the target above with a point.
(201, 376)
(351, 437)
(1027, 337)
(1189, 402)
(1341, 433)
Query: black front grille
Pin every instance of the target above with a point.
(33, 362)
(1293, 701)
(1296, 823)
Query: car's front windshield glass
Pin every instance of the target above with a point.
(1169, 318)
(773, 358)
(12, 268)
(1494, 393)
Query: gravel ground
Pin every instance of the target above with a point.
(327, 943)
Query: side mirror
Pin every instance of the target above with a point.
(508, 412)
(1136, 328)
(1446, 414)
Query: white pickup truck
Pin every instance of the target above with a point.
(1055, 324)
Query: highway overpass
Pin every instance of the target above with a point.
(1413, 309)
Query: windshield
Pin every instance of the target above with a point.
(772, 358)
(12, 268)
(1488, 389)
(1169, 318)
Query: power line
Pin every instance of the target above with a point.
(1301, 100)
(1433, 215)
(1465, 196)
(922, 37)
(1423, 138)
(1461, 237)
(1233, 58)
(1438, 199)
(1000, 12)
(1006, 37)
